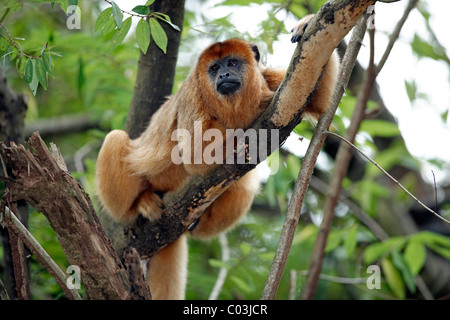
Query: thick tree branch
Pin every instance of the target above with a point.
(61, 125)
(42, 183)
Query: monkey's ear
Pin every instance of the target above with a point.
(256, 51)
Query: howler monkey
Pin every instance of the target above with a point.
(228, 88)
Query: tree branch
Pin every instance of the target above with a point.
(390, 177)
(342, 161)
(43, 184)
(61, 125)
(309, 161)
(42, 256)
(12, 114)
(395, 34)
(223, 270)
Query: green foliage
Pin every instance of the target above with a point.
(143, 35)
(158, 34)
(402, 258)
(112, 19)
(424, 48)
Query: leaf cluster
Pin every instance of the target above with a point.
(111, 21)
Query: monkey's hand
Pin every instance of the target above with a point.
(299, 29)
(149, 205)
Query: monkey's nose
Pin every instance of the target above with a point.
(224, 75)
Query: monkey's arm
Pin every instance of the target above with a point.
(321, 99)
(273, 77)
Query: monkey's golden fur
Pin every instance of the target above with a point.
(130, 171)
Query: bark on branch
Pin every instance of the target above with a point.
(42, 183)
(183, 207)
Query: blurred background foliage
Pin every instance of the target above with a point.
(97, 84)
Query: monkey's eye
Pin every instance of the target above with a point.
(232, 63)
(214, 67)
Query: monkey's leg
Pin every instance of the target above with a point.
(117, 187)
(228, 208)
(167, 271)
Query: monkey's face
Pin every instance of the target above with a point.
(227, 74)
(228, 68)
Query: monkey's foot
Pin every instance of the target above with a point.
(299, 29)
(150, 206)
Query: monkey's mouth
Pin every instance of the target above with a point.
(228, 87)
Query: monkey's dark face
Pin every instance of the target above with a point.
(227, 74)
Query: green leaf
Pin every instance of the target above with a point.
(48, 64)
(415, 255)
(34, 81)
(351, 240)
(103, 18)
(81, 78)
(149, 2)
(393, 278)
(162, 16)
(293, 165)
(245, 248)
(334, 239)
(143, 35)
(445, 252)
(41, 73)
(144, 10)
(429, 237)
(117, 14)
(241, 284)
(424, 48)
(444, 116)
(158, 34)
(411, 90)
(274, 161)
(270, 192)
(218, 264)
(400, 263)
(29, 71)
(436, 242)
(120, 34)
(166, 19)
(378, 249)
(380, 128)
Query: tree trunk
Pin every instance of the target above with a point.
(156, 71)
(12, 115)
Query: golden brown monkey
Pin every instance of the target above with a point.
(228, 88)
